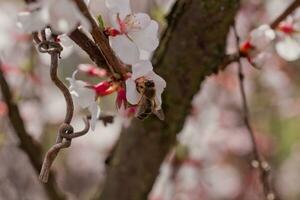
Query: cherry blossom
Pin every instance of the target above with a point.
(131, 33)
(84, 97)
(144, 70)
(52, 13)
(255, 47)
(288, 47)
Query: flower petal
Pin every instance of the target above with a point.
(64, 15)
(83, 96)
(119, 6)
(141, 68)
(146, 39)
(125, 49)
(132, 95)
(94, 109)
(288, 49)
(32, 21)
(160, 85)
(137, 22)
(262, 37)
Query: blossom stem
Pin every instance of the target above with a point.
(257, 158)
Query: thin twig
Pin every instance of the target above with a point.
(66, 131)
(27, 143)
(258, 161)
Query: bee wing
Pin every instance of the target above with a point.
(159, 113)
(141, 108)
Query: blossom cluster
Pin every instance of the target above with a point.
(132, 36)
(286, 39)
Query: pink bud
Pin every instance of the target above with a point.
(92, 70)
(121, 98)
(111, 32)
(245, 47)
(105, 88)
(286, 27)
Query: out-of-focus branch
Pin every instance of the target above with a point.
(258, 161)
(27, 143)
(228, 59)
(112, 61)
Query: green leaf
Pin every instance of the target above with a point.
(100, 22)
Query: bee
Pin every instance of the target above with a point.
(147, 104)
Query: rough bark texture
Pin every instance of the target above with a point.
(195, 50)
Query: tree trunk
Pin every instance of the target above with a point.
(195, 50)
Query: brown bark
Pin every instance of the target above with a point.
(195, 50)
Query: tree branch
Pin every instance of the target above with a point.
(101, 41)
(195, 51)
(89, 46)
(27, 143)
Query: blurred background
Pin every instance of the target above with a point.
(211, 160)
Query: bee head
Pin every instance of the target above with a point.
(149, 83)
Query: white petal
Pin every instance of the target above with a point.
(261, 59)
(67, 45)
(262, 37)
(133, 97)
(288, 49)
(82, 95)
(141, 68)
(137, 22)
(146, 39)
(32, 21)
(64, 15)
(94, 110)
(160, 85)
(125, 49)
(119, 6)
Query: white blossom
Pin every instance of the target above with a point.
(288, 46)
(62, 15)
(85, 98)
(136, 32)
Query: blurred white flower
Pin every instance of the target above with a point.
(143, 70)
(85, 97)
(131, 33)
(255, 47)
(288, 47)
(62, 15)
